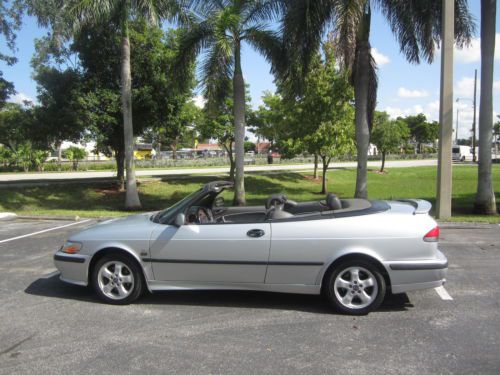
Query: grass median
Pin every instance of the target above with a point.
(88, 200)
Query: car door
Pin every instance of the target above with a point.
(218, 252)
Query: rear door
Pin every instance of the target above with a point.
(221, 252)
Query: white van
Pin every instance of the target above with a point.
(461, 153)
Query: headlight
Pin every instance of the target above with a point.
(71, 247)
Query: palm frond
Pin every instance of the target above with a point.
(216, 72)
(303, 26)
(86, 12)
(192, 41)
(416, 24)
(347, 17)
(372, 90)
(270, 45)
(263, 11)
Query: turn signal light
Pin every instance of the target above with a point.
(432, 235)
(71, 247)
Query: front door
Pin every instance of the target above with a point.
(222, 252)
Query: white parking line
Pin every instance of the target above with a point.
(443, 293)
(43, 231)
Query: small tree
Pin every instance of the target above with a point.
(75, 154)
(387, 135)
(331, 139)
(322, 118)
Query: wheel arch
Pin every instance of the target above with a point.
(367, 256)
(116, 250)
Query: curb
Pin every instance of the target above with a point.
(465, 225)
(7, 216)
(49, 217)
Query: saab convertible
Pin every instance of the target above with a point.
(353, 251)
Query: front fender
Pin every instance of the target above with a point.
(116, 245)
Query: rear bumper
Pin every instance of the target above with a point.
(73, 267)
(422, 274)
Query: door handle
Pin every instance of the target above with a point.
(255, 233)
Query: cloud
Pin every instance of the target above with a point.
(473, 52)
(380, 58)
(406, 93)
(199, 101)
(20, 98)
(465, 87)
(395, 112)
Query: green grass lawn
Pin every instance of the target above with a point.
(100, 200)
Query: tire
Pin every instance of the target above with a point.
(117, 279)
(349, 294)
(463, 159)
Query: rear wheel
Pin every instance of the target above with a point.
(355, 287)
(117, 279)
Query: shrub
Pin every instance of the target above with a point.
(75, 154)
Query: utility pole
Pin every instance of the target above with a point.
(456, 131)
(474, 119)
(443, 207)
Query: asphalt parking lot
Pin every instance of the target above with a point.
(49, 327)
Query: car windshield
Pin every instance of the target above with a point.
(164, 215)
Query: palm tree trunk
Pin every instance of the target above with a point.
(239, 128)
(361, 89)
(485, 198)
(132, 196)
(120, 172)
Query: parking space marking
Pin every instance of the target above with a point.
(443, 293)
(43, 231)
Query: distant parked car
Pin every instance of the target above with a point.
(353, 251)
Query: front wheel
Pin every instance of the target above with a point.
(117, 279)
(355, 287)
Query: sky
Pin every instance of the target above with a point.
(404, 89)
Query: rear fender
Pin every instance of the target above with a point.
(349, 251)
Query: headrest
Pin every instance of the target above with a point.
(275, 199)
(333, 202)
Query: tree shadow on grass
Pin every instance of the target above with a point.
(52, 287)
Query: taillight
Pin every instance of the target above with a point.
(432, 235)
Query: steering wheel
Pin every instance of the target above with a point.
(204, 215)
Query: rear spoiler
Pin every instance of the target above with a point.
(421, 206)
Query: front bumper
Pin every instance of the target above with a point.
(73, 267)
(414, 275)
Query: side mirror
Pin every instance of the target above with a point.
(180, 220)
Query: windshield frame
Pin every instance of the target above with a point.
(167, 215)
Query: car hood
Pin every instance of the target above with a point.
(130, 227)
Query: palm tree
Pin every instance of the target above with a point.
(88, 12)
(416, 25)
(220, 29)
(485, 197)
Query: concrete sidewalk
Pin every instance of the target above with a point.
(53, 176)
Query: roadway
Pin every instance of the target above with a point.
(53, 176)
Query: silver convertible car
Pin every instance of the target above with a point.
(353, 251)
